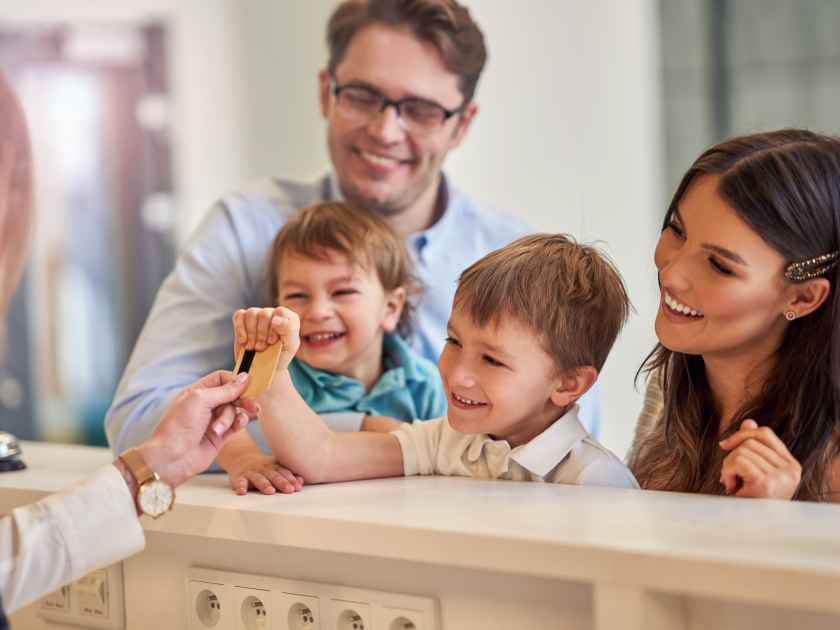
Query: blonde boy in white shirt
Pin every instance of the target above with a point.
(531, 326)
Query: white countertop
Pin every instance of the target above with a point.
(664, 541)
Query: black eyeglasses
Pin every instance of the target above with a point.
(417, 115)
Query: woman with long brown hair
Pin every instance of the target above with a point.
(744, 387)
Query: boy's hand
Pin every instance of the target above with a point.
(263, 473)
(259, 328)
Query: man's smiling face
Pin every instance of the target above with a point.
(379, 164)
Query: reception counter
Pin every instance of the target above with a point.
(489, 554)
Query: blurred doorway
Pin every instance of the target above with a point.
(97, 104)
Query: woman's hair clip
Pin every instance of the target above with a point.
(812, 267)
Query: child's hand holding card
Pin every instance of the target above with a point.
(265, 341)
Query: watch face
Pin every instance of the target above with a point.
(156, 497)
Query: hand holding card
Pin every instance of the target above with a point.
(261, 367)
(266, 340)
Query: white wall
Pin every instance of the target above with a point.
(209, 142)
(568, 136)
(283, 48)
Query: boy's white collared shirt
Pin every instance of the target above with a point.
(563, 453)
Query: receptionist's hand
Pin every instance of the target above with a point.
(196, 425)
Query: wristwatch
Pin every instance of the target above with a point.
(155, 497)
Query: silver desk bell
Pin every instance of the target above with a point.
(10, 453)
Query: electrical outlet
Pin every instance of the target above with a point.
(93, 595)
(221, 600)
(209, 606)
(299, 612)
(58, 602)
(349, 615)
(253, 608)
(394, 611)
(399, 619)
(93, 601)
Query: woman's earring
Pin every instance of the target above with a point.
(790, 315)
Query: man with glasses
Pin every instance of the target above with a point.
(397, 97)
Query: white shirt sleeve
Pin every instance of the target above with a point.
(65, 536)
(419, 442)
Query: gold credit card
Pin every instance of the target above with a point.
(260, 366)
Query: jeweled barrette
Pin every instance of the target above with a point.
(812, 267)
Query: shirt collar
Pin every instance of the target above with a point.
(401, 366)
(422, 243)
(399, 356)
(324, 379)
(330, 190)
(542, 454)
(425, 242)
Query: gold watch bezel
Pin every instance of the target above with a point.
(145, 486)
(143, 476)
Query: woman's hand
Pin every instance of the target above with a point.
(259, 328)
(759, 464)
(199, 421)
(263, 473)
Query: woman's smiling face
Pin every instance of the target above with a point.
(722, 286)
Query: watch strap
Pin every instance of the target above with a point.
(137, 466)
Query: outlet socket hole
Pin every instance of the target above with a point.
(208, 608)
(402, 623)
(301, 617)
(350, 620)
(254, 613)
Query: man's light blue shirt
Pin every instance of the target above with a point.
(224, 267)
(409, 388)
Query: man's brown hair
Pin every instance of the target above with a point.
(570, 295)
(445, 24)
(366, 239)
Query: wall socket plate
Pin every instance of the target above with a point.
(95, 600)
(298, 611)
(298, 605)
(252, 608)
(400, 619)
(209, 605)
(350, 615)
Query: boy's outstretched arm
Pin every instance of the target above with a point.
(298, 437)
(302, 442)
